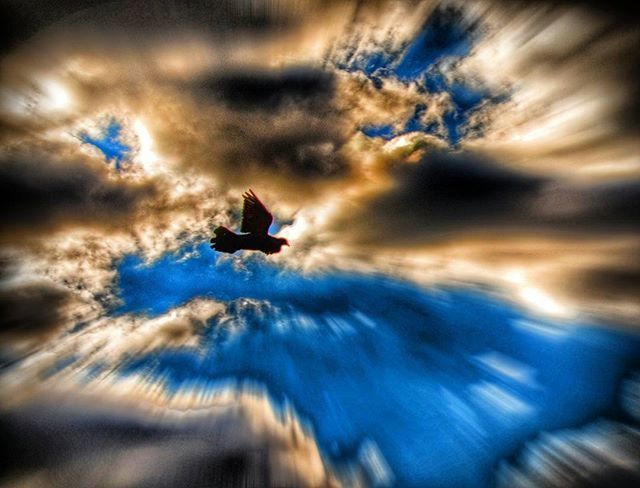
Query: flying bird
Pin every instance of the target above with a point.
(256, 220)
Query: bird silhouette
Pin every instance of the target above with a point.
(256, 220)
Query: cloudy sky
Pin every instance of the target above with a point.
(486, 146)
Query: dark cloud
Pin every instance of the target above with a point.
(88, 444)
(261, 125)
(447, 192)
(272, 90)
(39, 194)
(43, 439)
(305, 151)
(207, 16)
(283, 121)
(606, 206)
(20, 19)
(615, 283)
(444, 181)
(32, 309)
(456, 193)
(624, 11)
(290, 145)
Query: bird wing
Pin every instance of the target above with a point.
(255, 216)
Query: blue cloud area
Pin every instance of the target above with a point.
(446, 34)
(110, 143)
(445, 382)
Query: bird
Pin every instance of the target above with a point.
(256, 220)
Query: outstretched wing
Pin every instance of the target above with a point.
(255, 216)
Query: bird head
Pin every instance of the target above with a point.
(283, 242)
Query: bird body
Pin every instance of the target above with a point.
(256, 220)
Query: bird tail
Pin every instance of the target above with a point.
(224, 240)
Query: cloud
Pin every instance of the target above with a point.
(32, 309)
(35, 308)
(264, 97)
(569, 73)
(44, 195)
(278, 126)
(213, 97)
(232, 435)
(621, 283)
(269, 90)
(449, 192)
(454, 193)
(461, 218)
(600, 454)
(21, 20)
(109, 340)
(389, 102)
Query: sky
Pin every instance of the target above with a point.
(459, 183)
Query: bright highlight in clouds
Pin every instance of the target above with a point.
(145, 154)
(56, 97)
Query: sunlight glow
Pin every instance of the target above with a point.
(56, 98)
(534, 297)
(542, 302)
(146, 155)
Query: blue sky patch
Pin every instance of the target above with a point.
(110, 143)
(384, 131)
(367, 357)
(446, 33)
